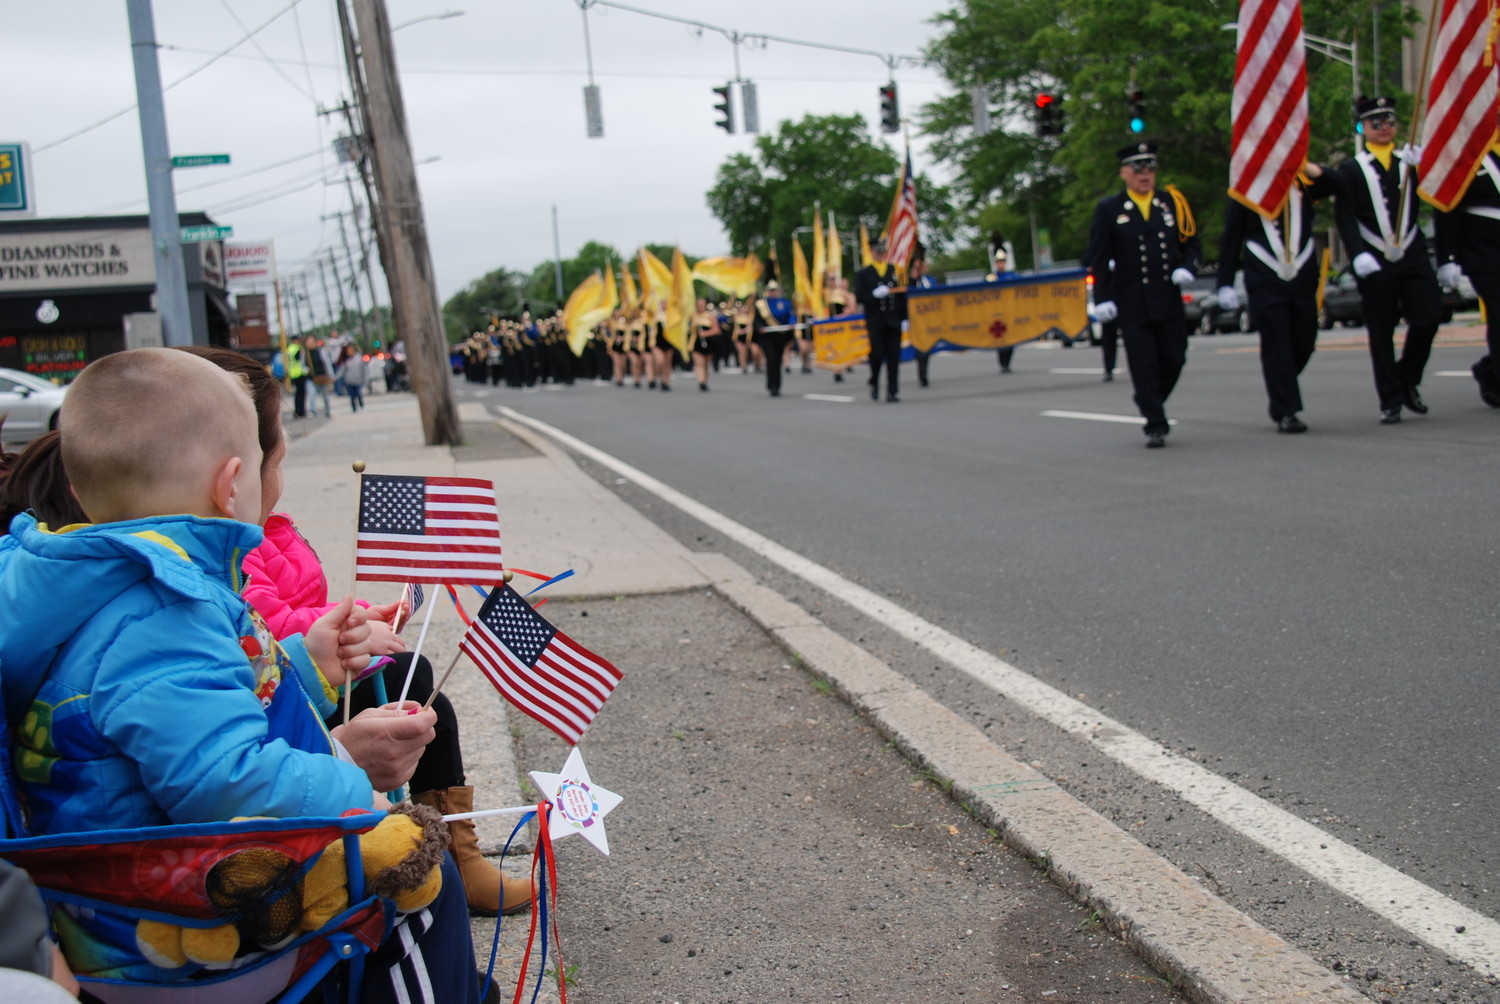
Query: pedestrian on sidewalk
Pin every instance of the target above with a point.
(321, 366)
(355, 373)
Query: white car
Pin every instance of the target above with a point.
(29, 406)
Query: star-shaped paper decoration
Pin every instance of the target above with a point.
(578, 805)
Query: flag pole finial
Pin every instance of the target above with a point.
(358, 466)
(507, 575)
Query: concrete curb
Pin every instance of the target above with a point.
(1213, 952)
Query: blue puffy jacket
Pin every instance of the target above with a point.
(140, 691)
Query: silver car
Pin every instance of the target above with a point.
(29, 406)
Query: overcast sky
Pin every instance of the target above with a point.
(495, 95)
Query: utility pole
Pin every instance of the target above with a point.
(327, 299)
(557, 255)
(364, 257)
(359, 307)
(166, 228)
(401, 206)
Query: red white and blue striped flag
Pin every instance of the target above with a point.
(901, 228)
(541, 671)
(1461, 102)
(1269, 109)
(415, 529)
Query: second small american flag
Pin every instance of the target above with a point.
(414, 529)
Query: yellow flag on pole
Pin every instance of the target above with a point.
(865, 257)
(680, 304)
(735, 276)
(629, 298)
(656, 284)
(587, 306)
(819, 266)
(800, 300)
(835, 250)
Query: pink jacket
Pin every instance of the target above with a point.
(287, 586)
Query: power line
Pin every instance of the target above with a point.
(191, 73)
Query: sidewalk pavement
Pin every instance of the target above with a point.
(766, 828)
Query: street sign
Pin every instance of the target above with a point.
(197, 235)
(200, 160)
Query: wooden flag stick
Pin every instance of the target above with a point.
(439, 686)
(1419, 112)
(416, 653)
(359, 471)
(509, 810)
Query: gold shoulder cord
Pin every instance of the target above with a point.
(1186, 225)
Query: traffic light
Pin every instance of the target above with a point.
(749, 106)
(890, 113)
(1137, 111)
(725, 109)
(1048, 120)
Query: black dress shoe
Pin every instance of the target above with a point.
(892, 399)
(1155, 440)
(1390, 416)
(1109, 378)
(1413, 401)
(1489, 392)
(874, 393)
(1290, 423)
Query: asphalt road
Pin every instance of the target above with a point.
(1314, 617)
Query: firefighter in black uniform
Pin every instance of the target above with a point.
(771, 329)
(1143, 246)
(1468, 243)
(873, 288)
(1377, 220)
(1281, 266)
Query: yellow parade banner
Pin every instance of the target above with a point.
(840, 343)
(993, 315)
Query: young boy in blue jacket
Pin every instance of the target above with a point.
(139, 689)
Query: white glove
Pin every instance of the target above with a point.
(1181, 277)
(1228, 298)
(882, 291)
(1366, 264)
(1410, 155)
(1106, 311)
(1449, 273)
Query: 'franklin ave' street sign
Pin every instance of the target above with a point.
(200, 160)
(197, 235)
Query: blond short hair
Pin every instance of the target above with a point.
(143, 431)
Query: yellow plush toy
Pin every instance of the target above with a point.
(401, 859)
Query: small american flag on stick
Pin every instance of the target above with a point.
(1461, 102)
(536, 667)
(1268, 145)
(437, 530)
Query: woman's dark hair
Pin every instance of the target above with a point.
(265, 391)
(34, 480)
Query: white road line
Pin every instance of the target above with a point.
(1416, 908)
(1454, 373)
(836, 398)
(1094, 416)
(1078, 370)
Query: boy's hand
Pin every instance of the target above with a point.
(386, 742)
(384, 641)
(386, 611)
(325, 640)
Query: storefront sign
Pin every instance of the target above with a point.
(992, 315)
(16, 201)
(249, 262)
(50, 261)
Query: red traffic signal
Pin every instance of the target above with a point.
(1045, 100)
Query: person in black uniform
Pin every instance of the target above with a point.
(772, 330)
(873, 289)
(1150, 237)
(1281, 283)
(1000, 259)
(1377, 222)
(1468, 243)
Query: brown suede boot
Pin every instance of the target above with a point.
(483, 882)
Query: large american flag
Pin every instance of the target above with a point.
(1269, 110)
(1461, 102)
(901, 228)
(438, 530)
(536, 667)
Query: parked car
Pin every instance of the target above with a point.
(1194, 295)
(1217, 319)
(29, 404)
(1342, 305)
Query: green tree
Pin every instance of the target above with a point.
(1089, 52)
(498, 292)
(830, 160)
